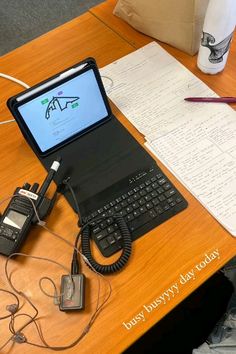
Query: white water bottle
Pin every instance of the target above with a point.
(218, 29)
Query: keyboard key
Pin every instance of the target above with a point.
(136, 223)
(155, 201)
(117, 207)
(161, 198)
(160, 190)
(154, 194)
(123, 212)
(96, 230)
(110, 229)
(148, 197)
(149, 205)
(129, 218)
(104, 244)
(93, 223)
(167, 186)
(93, 215)
(124, 203)
(111, 240)
(109, 221)
(129, 209)
(142, 201)
(101, 235)
(162, 181)
(169, 193)
(117, 235)
(135, 205)
(148, 189)
(152, 213)
(118, 200)
(159, 209)
(142, 209)
(103, 225)
(136, 213)
(110, 212)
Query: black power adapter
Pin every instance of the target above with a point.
(72, 292)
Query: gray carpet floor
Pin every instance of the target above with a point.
(24, 20)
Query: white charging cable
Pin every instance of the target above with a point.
(8, 77)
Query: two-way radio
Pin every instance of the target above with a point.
(20, 215)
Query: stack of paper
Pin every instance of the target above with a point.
(196, 141)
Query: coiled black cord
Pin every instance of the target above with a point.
(85, 240)
(126, 252)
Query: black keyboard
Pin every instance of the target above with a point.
(148, 200)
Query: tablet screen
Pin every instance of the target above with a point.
(66, 110)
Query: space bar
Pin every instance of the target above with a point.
(143, 219)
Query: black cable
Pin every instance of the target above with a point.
(65, 183)
(85, 234)
(126, 252)
(60, 189)
(52, 202)
(75, 269)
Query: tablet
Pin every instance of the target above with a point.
(62, 108)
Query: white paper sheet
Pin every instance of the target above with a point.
(196, 141)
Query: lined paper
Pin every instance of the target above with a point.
(196, 141)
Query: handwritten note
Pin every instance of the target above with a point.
(196, 141)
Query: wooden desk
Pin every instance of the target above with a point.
(158, 260)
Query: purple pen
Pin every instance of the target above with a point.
(211, 99)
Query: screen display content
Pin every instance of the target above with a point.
(15, 219)
(64, 111)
